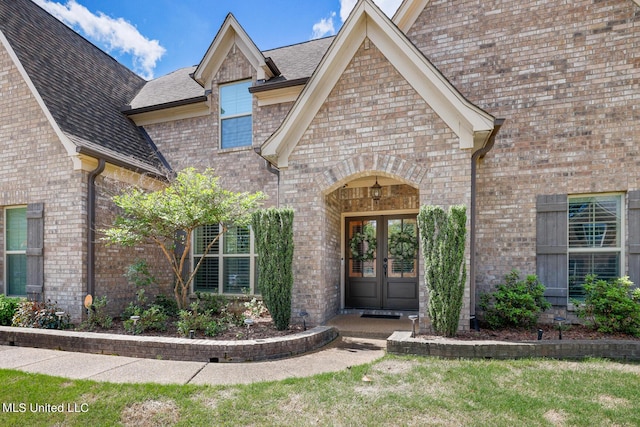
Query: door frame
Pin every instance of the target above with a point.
(343, 230)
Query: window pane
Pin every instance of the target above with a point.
(207, 276)
(204, 236)
(237, 240)
(16, 229)
(235, 99)
(16, 274)
(236, 275)
(236, 132)
(605, 265)
(594, 222)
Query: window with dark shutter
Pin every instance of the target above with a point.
(551, 246)
(35, 250)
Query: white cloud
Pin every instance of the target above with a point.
(112, 34)
(324, 27)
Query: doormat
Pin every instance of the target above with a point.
(380, 316)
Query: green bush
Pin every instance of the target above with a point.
(98, 316)
(168, 305)
(213, 303)
(610, 305)
(35, 314)
(443, 235)
(151, 319)
(273, 229)
(515, 302)
(8, 307)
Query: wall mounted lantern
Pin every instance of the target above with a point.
(376, 191)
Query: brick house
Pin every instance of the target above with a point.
(525, 113)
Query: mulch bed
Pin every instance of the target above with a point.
(549, 332)
(262, 328)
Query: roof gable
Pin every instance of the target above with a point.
(231, 33)
(472, 125)
(80, 88)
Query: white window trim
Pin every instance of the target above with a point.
(253, 262)
(234, 116)
(8, 252)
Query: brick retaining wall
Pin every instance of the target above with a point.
(402, 343)
(198, 350)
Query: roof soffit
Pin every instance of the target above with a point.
(470, 123)
(229, 34)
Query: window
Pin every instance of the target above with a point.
(235, 115)
(15, 259)
(594, 242)
(230, 265)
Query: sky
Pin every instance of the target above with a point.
(156, 37)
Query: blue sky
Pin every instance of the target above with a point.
(155, 37)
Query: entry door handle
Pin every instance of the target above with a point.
(384, 266)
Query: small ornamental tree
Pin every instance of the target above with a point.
(273, 230)
(443, 242)
(168, 218)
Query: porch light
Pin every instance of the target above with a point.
(376, 191)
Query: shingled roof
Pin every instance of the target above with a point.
(295, 62)
(82, 87)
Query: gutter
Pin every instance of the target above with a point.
(266, 86)
(273, 170)
(128, 111)
(91, 231)
(497, 124)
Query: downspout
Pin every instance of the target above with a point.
(91, 232)
(472, 268)
(274, 171)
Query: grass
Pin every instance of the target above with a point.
(401, 391)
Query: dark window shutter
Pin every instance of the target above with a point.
(551, 246)
(634, 237)
(35, 250)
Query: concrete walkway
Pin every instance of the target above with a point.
(337, 356)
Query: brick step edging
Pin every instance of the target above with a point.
(198, 350)
(402, 343)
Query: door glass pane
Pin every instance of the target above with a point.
(362, 250)
(402, 247)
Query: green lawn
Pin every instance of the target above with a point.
(401, 391)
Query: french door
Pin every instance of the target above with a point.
(381, 262)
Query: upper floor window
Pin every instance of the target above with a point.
(235, 115)
(15, 260)
(595, 239)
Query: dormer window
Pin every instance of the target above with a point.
(235, 115)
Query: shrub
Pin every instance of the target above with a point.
(98, 316)
(515, 302)
(213, 303)
(193, 319)
(151, 319)
(8, 307)
(273, 229)
(35, 314)
(169, 306)
(611, 306)
(443, 242)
